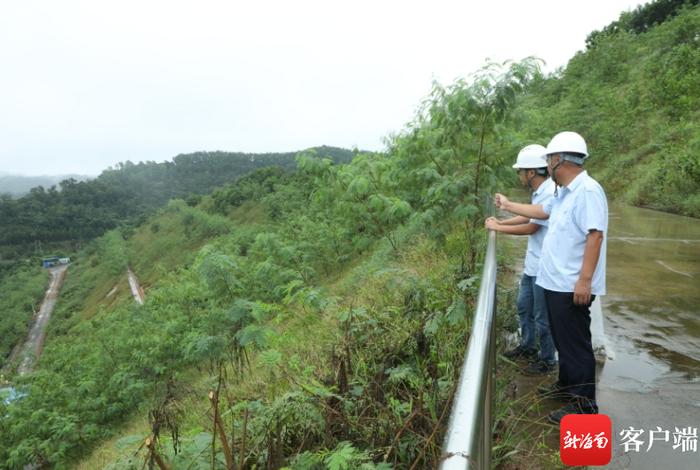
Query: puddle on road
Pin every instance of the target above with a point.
(653, 312)
(633, 371)
(652, 317)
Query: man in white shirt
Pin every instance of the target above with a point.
(572, 267)
(532, 307)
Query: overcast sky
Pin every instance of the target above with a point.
(86, 84)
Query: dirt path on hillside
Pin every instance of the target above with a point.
(136, 289)
(31, 349)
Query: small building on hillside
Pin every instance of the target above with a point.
(49, 261)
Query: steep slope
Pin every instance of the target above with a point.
(634, 94)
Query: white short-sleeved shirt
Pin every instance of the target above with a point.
(578, 208)
(534, 242)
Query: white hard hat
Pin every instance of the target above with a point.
(531, 156)
(567, 142)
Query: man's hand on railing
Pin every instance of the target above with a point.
(491, 223)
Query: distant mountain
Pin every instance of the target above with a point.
(18, 185)
(82, 210)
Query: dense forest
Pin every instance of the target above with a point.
(315, 316)
(78, 211)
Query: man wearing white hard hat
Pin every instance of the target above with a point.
(532, 307)
(572, 267)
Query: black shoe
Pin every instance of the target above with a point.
(577, 406)
(555, 390)
(521, 353)
(540, 368)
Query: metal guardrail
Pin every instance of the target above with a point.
(468, 440)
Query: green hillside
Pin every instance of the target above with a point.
(634, 94)
(77, 211)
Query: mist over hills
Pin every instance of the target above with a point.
(19, 185)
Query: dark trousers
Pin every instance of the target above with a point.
(571, 331)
